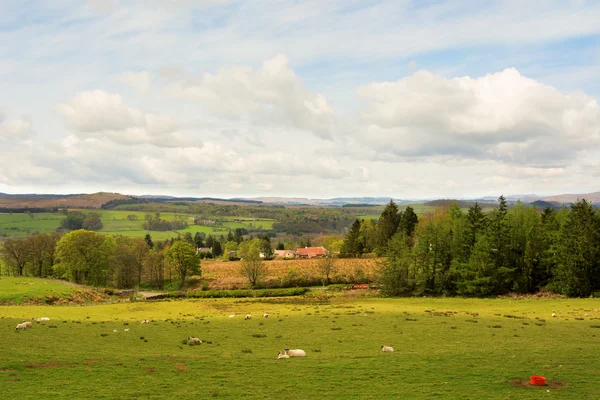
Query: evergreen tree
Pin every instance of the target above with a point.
(280, 246)
(408, 221)
(148, 239)
(217, 250)
(578, 252)
(353, 246)
(198, 240)
(388, 223)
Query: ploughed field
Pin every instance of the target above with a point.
(444, 348)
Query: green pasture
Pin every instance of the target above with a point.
(27, 224)
(16, 290)
(444, 348)
(117, 223)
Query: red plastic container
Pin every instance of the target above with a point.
(537, 380)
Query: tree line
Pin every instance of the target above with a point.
(516, 249)
(87, 257)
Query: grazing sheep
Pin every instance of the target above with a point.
(44, 319)
(145, 321)
(115, 331)
(280, 356)
(21, 326)
(232, 316)
(387, 349)
(27, 324)
(295, 353)
(587, 315)
(553, 315)
(194, 340)
(265, 315)
(248, 316)
(126, 330)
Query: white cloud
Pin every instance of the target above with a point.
(137, 80)
(98, 114)
(272, 96)
(503, 116)
(14, 128)
(265, 187)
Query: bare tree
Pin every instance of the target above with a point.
(253, 268)
(327, 267)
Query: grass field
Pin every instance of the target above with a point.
(444, 348)
(117, 223)
(17, 290)
(20, 225)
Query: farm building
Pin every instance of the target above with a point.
(285, 253)
(312, 252)
(203, 250)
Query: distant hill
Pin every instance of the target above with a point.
(449, 202)
(25, 201)
(572, 198)
(541, 204)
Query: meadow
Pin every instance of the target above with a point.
(446, 348)
(118, 223)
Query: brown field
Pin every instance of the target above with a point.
(226, 274)
(76, 201)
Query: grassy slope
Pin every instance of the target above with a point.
(436, 356)
(15, 290)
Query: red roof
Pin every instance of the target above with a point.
(312, 251)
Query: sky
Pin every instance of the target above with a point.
(320, 99)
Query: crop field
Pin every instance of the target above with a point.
(118, 223)
(444, 348)
(226, 274)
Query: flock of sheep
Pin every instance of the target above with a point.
(27, 324)
(287, 353)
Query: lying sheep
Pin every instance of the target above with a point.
(553, 315)
(232, 316)
(248, 316)
(21, 326)
(43, 319)
(295, 353)
(265, 315)
(126, 330)
(387, 349)
(194, 340)
(280, 356)
(145, 321)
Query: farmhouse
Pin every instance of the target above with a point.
(285, 253)
(312, 252)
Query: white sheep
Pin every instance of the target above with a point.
(115, 331)
(21, 326)
(126, 329)
(44, 319)
(265, 315)
(194, 340)
(387, 349)
(145, 321)
(587, 315)
(232, 316)
(27, 324)
(553, 315)
(295, 353)
(248, 316)
(280, 356)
